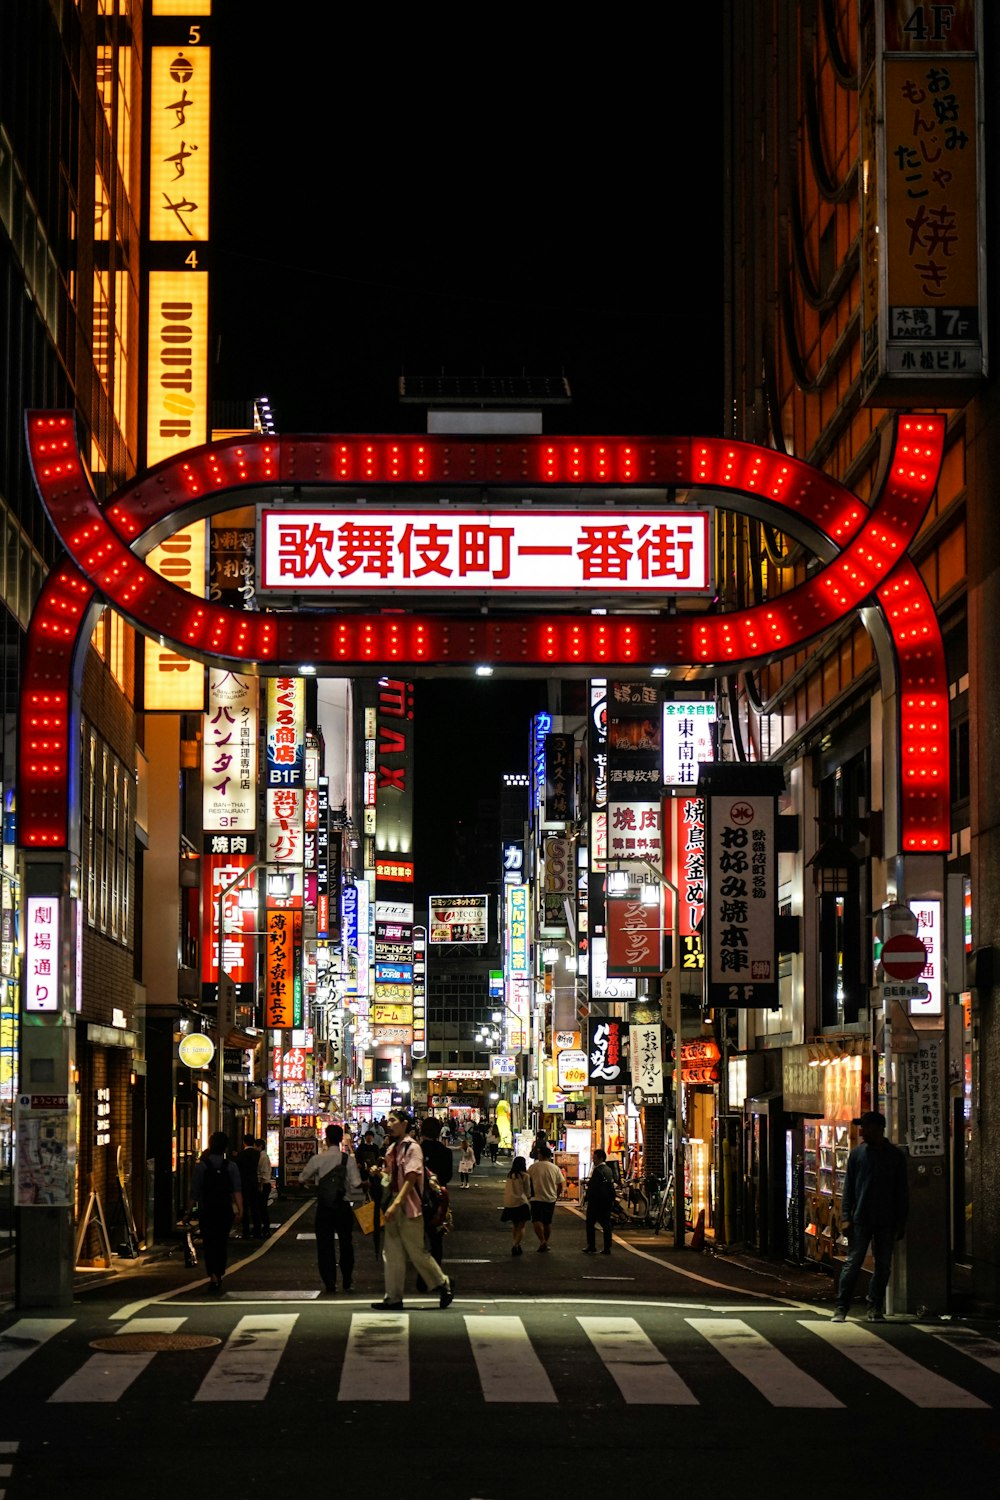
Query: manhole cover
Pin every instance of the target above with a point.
(151, 1343)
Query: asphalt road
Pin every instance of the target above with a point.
(576, 1374)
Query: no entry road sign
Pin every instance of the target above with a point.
(904, 957)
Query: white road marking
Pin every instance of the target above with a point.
(985, 1351)
(639, 1370)
(377, 1362)
(509, 1369)
(676, 1270)
(779, 1381)
(311, 1235)
(887, 1363)
(131, 1308)
(25, 1336)
(245, 1368)
(107, 1376)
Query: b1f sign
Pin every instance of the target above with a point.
(41, 955)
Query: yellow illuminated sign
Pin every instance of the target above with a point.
(196, 1050)
(182, 7)
(174, 683)
(177, 378)
(179, 135)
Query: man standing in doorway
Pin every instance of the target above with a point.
(246, 1165)
(264, 1174)
(873, 1212)
(335, 1174)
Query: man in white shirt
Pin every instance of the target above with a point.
(546, 1186)
(264, 1175)
(335, 1173)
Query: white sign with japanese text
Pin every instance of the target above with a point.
(687, 740)
(925, 995)
(229, 756)
(741, 901)
(646, 1062)
(41, 954)
(535, 551)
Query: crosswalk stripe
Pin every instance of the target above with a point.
(106, 1376)
(244, 1369)
(24, 1337)
(508, 1367)
(377, 1362)
(640, 1371)
(967, 1341)
(780, 1381)
(890, 1365)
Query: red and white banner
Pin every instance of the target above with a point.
(534, 551)
(240, 953)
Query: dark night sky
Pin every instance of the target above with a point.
(408, 196)
(403, 194)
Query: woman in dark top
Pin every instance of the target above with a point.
(215, 1187)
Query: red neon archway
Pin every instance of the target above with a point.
(871, 563)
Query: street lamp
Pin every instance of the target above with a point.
(226, 1002)
(622, 868)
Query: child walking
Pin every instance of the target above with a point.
(466, 1163)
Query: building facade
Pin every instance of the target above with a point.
(855, 133)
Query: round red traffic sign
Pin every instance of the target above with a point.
(904, 957)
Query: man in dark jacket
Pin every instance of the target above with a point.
(600, 1201)
(246, 1164)
(873, 1212)
(438, 1158)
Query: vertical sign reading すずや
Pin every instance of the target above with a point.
(741, 901)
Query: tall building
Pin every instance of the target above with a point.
(859, 237)
(72, 80)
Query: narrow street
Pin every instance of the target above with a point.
(647, 1362)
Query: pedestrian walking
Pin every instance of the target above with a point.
(600, 1201)
(517, 1203)
(478, 1138)
(366, 1157)
(466, 1165)
(335, 1173)
(873, 1210)
(546, 1186)
(246, 1165)
(493, 1143)
(264, 1186)
(215, 1188)
(439, 1160)
(404, 1220)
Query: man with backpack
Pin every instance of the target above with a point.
(335, 1173)
(600, 1201)
(215, 1187)
(404, 1220)
(437, 1159)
